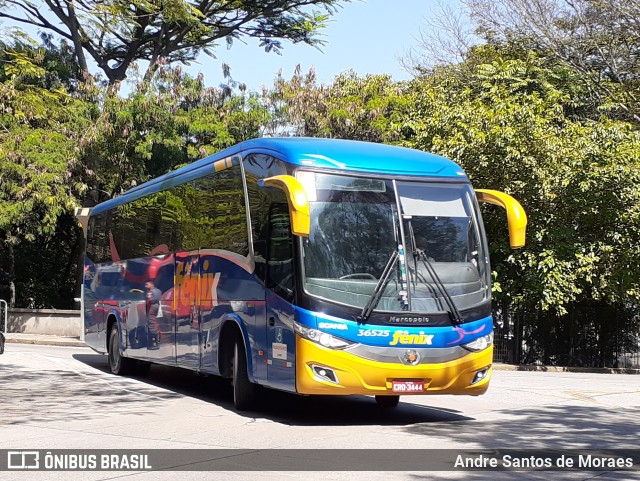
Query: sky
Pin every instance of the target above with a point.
(367, 36)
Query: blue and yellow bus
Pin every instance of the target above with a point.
(313, 266)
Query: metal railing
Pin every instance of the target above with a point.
(587, 336)
(5, 310)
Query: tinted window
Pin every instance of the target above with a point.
(97, 243)
(280, 251)
(213, 213)
(139, 228)
(206, 213)
(256, 167)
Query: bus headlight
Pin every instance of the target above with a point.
(479, 344)
(322, 338)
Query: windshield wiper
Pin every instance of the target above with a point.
(379, 289)
(452, 310)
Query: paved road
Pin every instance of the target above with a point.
(64, 398)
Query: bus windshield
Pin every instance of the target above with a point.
(357, 224)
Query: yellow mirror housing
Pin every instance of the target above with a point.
(516, 216)
(297, 200)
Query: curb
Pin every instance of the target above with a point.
(47, 342)
(536, 368)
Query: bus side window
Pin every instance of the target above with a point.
(280, 252)
(256, 167)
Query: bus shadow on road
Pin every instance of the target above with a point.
(564, 427)
(348, 411)
(286, 408)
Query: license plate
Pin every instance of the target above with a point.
(407, 386)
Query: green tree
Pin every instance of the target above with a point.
(66, 142)
(598, 39)
(372, 108)
(117, 34)
(58, 64)
(41, 127)
(46, 268)
(173, 120)
(507, 125)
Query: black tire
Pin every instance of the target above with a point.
(244, 391)
(142, 368)
(387, 401)
(117, 363)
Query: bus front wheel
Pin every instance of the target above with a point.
(117, 363)
(243, 389)
(387, 401)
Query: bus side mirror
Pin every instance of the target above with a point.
(297, 200)
(516, 216)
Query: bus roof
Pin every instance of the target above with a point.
(341, 155)
(357, 156)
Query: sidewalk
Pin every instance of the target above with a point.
(12, 337)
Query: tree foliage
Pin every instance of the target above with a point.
(599, 39)
(117, 34)
(41, 126)
(160, 125)
(66, 142)
(514, 125)
(372, 108)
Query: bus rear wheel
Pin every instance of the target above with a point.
(387, 401)
(244, 391)
(117, 363)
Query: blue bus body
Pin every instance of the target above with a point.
(181, 268)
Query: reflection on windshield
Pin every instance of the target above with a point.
(353, 232)
(445, 239)
(442, 239)
(361, 250)
(352, 236)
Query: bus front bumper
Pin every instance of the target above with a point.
(333, 372)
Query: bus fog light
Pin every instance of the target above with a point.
(324, 373)
(480, 375)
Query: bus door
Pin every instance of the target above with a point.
(279, 309)
(187, 309)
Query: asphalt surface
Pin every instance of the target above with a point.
(64, 398)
